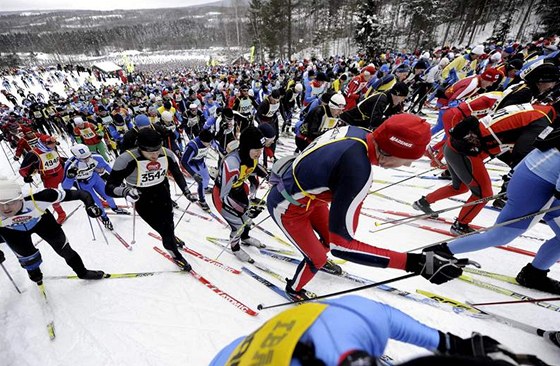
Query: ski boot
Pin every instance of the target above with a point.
(120, 211)
(532, 277)
(424, 206)
(180, 242)
(254, 242)
(460, 229)
(242, 255)
(107, 223)
(297, 295)
(91, 275)
(208, 190)
(332, 268)
(203, 205)
(182, 262)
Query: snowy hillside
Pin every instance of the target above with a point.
(170, 318)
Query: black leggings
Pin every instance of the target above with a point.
(157, 211)
(47, 228)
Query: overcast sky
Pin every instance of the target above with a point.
(11, 5)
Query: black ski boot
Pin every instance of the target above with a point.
(180, 242)
(424, 206)
(532, 277)
(460, 229)
(91, 275)
(297, 295)
(182, 262)
(203, 205)
(332, 268)
(120, 211)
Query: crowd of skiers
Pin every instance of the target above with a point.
(128, 139)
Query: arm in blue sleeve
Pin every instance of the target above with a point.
(102, 164)
(209, 123)
(187, 156)
(383, 318)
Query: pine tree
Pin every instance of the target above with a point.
(370, 29)
(549, 10)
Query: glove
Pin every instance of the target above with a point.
(198, 178)
(72, 172)
(436, 267)
(254, 211)
(131, 194)
(28, 179)
(93, 211)
(2, 257)
(475, 346)
(191, 197)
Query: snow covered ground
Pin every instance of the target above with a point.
(170, 318)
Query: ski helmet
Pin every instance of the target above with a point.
(9, 191)
(337, 101)
(80, 151)
(298, 88)
(149, 140)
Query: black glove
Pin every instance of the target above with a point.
(191, 197)
(254, 211)
(198, 178)
(436, 267)
(93, 211)
(72, 172)
(28, 179)
(475, 346)
(2, 257)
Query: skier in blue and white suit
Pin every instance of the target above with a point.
(83, 170)
(193, 162)
(534, 186)
(353, 330)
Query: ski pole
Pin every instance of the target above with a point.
(505, 223)
(133, 224)
(7, 159)
(91, 227)
(406, 220)
(360, 288)
(184, 212)
(102, 232)
(402, 181)
(516, 301)
(10, 277)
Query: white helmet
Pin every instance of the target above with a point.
(9, 191)
(337, 101)
(496, 57)
(298, 88)
(166, 116)
(80, 151)
(478, 50)
(193, 106)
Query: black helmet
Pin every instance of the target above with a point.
(541, 73)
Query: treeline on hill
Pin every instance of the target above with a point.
(412, 24)
(279, 28)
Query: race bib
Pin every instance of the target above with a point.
(151, 173)
(87, 133)
(49, 160)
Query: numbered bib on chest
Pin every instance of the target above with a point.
(191, 121)
(151, 173)
(85, 170)
(37, 114)
(49, 160)
(327, 123)
(245, 106)
(202, 153)
(87, 133)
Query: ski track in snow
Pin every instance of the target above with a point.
(172, 319)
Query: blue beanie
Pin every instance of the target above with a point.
(142, 120)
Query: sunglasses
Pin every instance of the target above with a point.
(150, 149)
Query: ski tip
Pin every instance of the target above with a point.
(260, 306)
